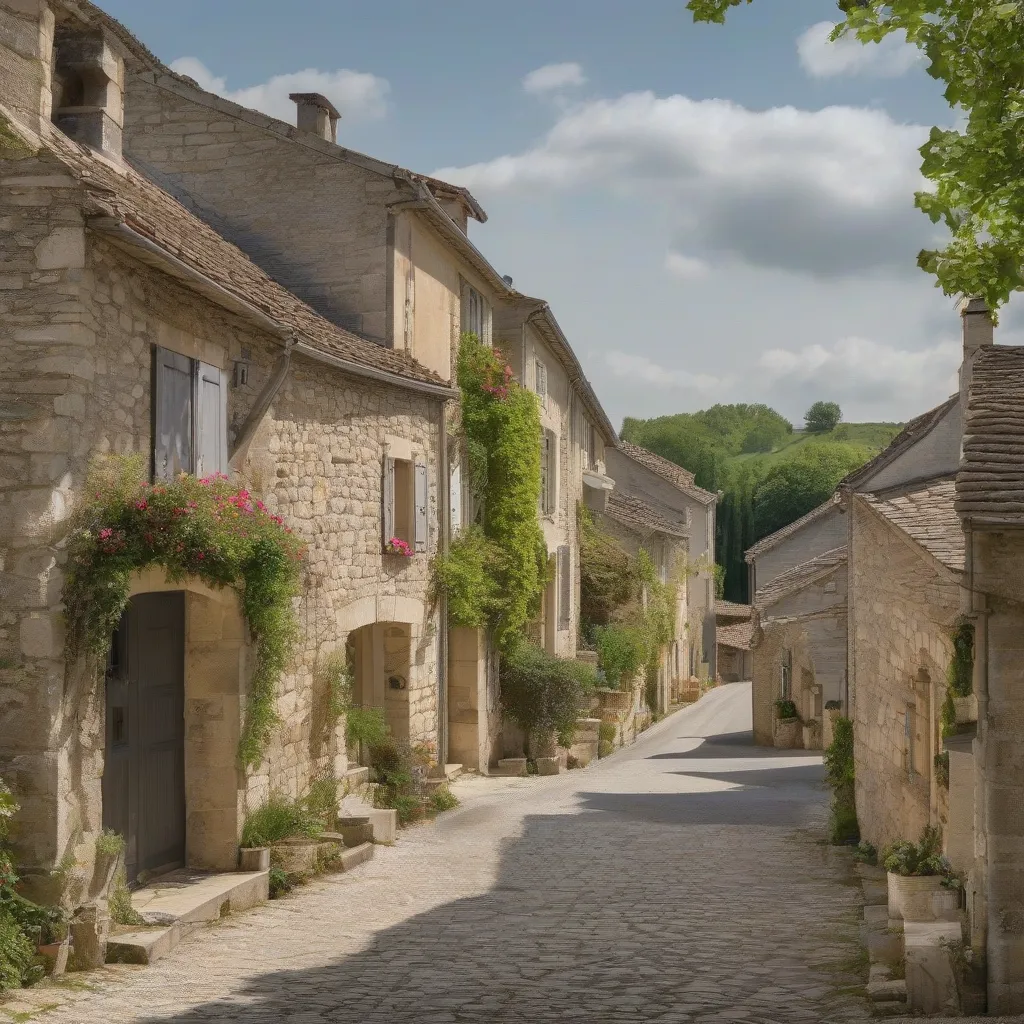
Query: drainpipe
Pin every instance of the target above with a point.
(444, 489)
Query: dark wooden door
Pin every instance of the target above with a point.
(144, 775)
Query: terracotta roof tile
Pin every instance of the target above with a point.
(638, 515)
(732, 610)
(990, 483)
(928, 516)
(151, 212)
(799, 576)
(739, 635)
(681, 478)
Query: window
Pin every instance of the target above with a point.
(564, 587)
(587, 442)
(908, 740)
(787, 675)
(405, 493)
(190, 421)
(548, 472)
(540, 382)
(455, 498)
(476, 314)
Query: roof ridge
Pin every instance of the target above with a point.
(667, 470)
(800, 575)
(767, 543)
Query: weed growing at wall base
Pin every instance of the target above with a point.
(839, 773)
(206, 529)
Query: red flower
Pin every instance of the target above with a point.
(142, 505)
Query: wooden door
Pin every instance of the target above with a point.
(144, 776)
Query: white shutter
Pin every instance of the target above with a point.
(388, 502)
(172, 415)
(486, 323)
(211, 421)
(421, 492)
(545, 467)
(455, 499)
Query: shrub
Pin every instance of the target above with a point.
(833, 705)
(366, 725)
(785, 709)
(622, 650)
(443, 799)
(942, 769)
(839, 774)
(607, 573)
(279, 818)
(467, 576)
(280, 883)
(391, 763)
(924, 857)
(606, 739)
(959, 675)
(109, 843)
(542, 693)
(866, 853)
(17, 954)
(120, 903)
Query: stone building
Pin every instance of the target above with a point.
(129, 325)
(638, 526)
(671, 491)
(989, 490)
(798, 579)
(385, 253)
(734, 638)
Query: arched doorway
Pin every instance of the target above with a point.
(144, 768)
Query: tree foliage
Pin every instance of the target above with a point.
(976, 172)
(793, 488)
(823, 417)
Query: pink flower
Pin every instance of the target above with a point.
(142, 505)
(106, 533)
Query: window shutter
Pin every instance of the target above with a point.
(545, 477)
(172, 415)
(388, 502)
(211, 421)
(565, 587)
(464, 312)
(420, 527)
(486, 323)
(455, 499)
(541, 382)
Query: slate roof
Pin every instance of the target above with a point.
(908, 436)
(800, 576)
(732, 610)
(638, 515)
(739, 635)
(928, 516)
(676, 475)
(131, 198)
(990, 483)
(767, 543)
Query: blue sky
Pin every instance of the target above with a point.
(716, 214)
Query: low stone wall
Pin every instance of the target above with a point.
(586, 740)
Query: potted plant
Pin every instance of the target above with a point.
(397, 546)
(788, 727)
(920, 880)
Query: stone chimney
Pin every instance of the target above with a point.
(316, 114)
(977, 334)
(26, 67)
(88, 88)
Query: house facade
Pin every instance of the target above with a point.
(672, 493)
(734, 638)
(129, 326)
(798, 577)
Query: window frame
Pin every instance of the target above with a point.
(787, 674)
(548, 472)
(476, 315)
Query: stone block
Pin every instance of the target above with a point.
(547, 765)
(41, 636)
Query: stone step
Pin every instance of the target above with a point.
(895, 989)
(180, 902)
(452, 771)
(353, 856)
(511, 766)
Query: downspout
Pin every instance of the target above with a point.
(444, 488)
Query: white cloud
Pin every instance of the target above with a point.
(357, 94)
(868, 374)
(645, 371)
(686, 268)
(821, 58)
(826, 192)
(553, 77)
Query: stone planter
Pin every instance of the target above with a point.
(355, 831)
(547, 766)
(615, 701)
(254, 858)
(966, 709)
(921, 898)
(788, 733)
(543, 744)
(296, 856)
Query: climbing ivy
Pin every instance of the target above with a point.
(959, 675)
(206, 529)
(495, 574)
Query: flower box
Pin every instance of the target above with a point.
(921, 898)
(399, 547)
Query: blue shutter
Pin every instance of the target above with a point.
(211, 421)
(172, 415)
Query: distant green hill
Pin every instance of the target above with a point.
(769, 473)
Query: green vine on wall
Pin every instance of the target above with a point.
(495, 571)
(959, 676)
(205, 529)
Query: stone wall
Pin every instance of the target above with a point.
(904, 603)
(78, 318)
(823, 534)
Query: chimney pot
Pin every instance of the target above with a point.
(978, 333)
(316, 114)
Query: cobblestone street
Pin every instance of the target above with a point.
(680, 880)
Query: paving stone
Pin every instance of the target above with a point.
(680, 881)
